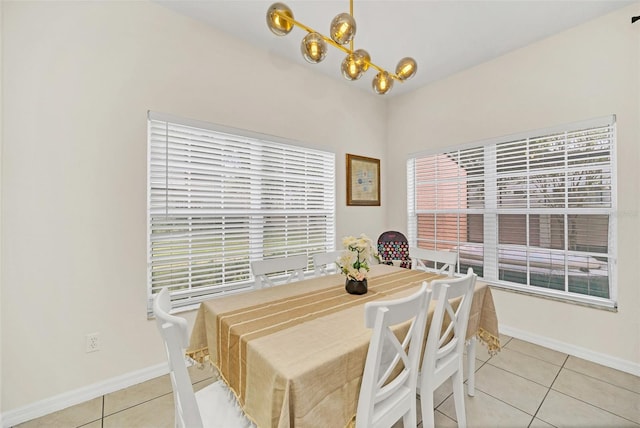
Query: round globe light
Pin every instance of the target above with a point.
(382, 83)
(343, 28)
(362, 59)
(350, 68)
(406, 68)
(313, 48)
(276, 23)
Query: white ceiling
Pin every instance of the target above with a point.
(443, 36)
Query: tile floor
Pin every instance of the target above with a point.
(524, 385)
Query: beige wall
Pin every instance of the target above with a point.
(1, 138)
(78, 80)
(588, 71)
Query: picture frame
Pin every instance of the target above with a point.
(363, 181)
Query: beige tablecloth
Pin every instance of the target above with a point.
(294, 354)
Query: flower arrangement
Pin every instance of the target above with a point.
(354, 261)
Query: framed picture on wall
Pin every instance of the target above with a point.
(363, 180)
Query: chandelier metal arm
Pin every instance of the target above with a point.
(280, 21)
(332, 43)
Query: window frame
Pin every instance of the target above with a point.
(491, 211)
(273, 183)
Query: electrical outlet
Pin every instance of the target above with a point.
(93, 342)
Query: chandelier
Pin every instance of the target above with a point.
(342, 31)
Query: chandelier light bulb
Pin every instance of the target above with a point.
(382, 83)
(351, 70)
(343, 28)
(313, 48)
(362, 59)
(276, 23)
(406, 68)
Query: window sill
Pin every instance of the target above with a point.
(586, 301)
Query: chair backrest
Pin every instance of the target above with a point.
(175, 334)
(391, 368)
(325, 263)
(447, 259)
(448, 330)
(393, 248)
(295, 265)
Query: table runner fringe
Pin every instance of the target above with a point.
(199, 355)
(236, 398)
(232, 397)
(492, 342)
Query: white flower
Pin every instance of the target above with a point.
(354, 261)
(348, 241)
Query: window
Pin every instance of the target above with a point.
(219, 198)
(532, 212)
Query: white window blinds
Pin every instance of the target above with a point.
(220, 198)
(532, 212)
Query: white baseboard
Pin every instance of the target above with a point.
(576, 351)
(80, 395)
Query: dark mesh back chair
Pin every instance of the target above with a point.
(393, 248)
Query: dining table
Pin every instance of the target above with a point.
(294, 354)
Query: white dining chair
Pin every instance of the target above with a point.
(325, 263)
(286, 269)
(396, 344)
(420, 257)
(213, 405)
(449, 260)
(444, 350)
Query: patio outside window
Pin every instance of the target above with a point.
(531, 212)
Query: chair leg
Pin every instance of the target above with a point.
(426, 405)
(458, 398)
(471, 367)
(178, 419)
(410, 419)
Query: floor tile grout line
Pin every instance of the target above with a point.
(506, 342)
(503, 402)
(563, 365)
(523, 377)
(497, 398)
(549, 390)
(602, 380)
(90, 422)
(488, 361)
(592, 404)
(540, 359)
(445, 415)
(436, 406)
(137, 404)
(597, 407)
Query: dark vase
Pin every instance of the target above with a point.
(356, 287)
